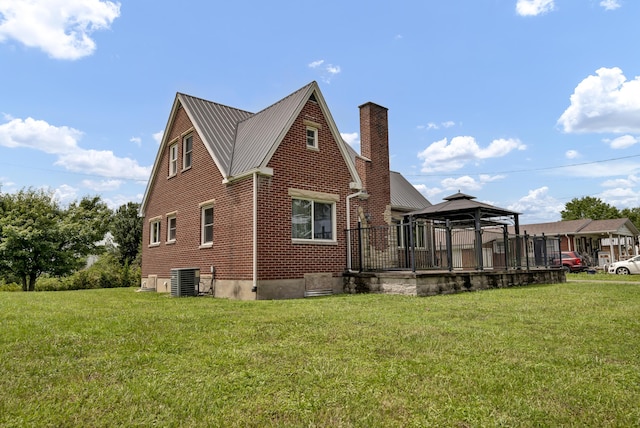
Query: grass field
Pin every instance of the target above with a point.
(556, 355)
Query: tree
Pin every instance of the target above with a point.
(126, 228)
(38, 236)
(632, 214)
(588, 207)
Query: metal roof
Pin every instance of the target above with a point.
(461, 207)
(259, 135)
(216, 124)
(404, 196)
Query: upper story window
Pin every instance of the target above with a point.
(187, 151)
(171, 228)
(312, 137)
(154, 232)
(173, 160)
(313, 220)
(206, 220)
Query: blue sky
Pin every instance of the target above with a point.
(525, 104)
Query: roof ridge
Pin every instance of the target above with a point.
(279, 101)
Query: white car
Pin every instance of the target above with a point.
(625, 267)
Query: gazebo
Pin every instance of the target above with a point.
(462, 211)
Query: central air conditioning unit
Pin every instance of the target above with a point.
(185, 282)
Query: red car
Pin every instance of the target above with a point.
(572, 262)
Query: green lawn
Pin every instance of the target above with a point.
(557, 355)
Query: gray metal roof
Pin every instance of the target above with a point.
(404, 196)
(216, 124)
(259, 135)
(461, 207)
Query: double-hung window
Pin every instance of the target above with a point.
(173, 160)
(312, 137)
(154, 232)
(171, 228)
(187, 151)
(313, 220)
(206, 225)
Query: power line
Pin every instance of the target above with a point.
(526, 170)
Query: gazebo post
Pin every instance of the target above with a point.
(449, 245)
(478, 244)
(516, 226)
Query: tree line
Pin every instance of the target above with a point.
(40, 238)
(596, 209)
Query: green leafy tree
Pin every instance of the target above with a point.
(589, 207)
(632, 214)
(38, 236)
(126, 228)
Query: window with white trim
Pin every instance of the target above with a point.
(154, 232)
(312, 137)
(206, 225)
(171, 228)
(313, 220)
(187, 151)
(173, 160)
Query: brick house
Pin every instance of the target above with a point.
(259, 202)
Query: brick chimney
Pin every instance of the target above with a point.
(373, 165)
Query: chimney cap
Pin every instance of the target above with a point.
(371, 103)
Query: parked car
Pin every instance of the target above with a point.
(571, 262)
(625, 267)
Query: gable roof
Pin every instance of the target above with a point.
(241, 142)
(458, 207)
(585, 226)
(404, 196)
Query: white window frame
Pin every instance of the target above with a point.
(154, 231)
(170, 218)
(173, 159)
(312, 238)
(313, 139)
(203, 226)
(187, 154)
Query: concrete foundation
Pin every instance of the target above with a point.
(433, 283)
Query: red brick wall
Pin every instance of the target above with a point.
(295, 166)
(374, 143)
(231, 253)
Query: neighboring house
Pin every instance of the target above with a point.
(600, 241)
(259, 203)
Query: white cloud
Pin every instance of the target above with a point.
(621, 142)
(630, 181)
(538, 207)
(428, 192)
(103, 163)
(136, 140)
(610, 4)
(327, 72)
(621, 197)
(606, 102)
(61, 28)
(448, 124)
(572, 154)
(602, 169)
(158, 136)
(65, 194)
(351, 138)
(433, 125)
(103, 185)
(444, 156)
(316, 64)
(62, 141)
(534, 7)
(467, 183)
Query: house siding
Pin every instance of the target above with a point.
(297, 167)
(231, 252)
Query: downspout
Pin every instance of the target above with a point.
(362, 194)
(568, 242)
(254, 287)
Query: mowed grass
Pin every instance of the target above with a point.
(555, 355)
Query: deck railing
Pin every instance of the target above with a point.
(417, 246)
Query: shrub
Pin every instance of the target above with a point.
(9, 286)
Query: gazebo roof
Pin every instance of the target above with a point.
(461, 207)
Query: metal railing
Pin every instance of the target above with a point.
(416, 246)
